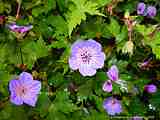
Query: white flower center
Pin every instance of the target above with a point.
(21, 91)
(85, 55)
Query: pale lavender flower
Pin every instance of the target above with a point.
(107, 86)
(141, 8)
(25, 90)
(151, 11)
(87, 56)
(20, 29)
(151, 88)
(112, 106)
(113, 73)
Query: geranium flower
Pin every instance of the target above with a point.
(20, 29)
(113, 75)
(151, 88)
(151, 11)
(112, 106)
(141, 8)
(25, 90)
(87, 56)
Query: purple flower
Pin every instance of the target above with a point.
(107, 86)
(141, 8)
(113, 76)
(87, 56)
(113, 73)
(112, 106)
(20, 29)
(137, 118)
(151, 11)
(25, 90)
(150, 88)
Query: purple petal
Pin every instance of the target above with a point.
(13, 26)
(30, 100)
(117, 107)
(13, 84)
(150, 88)
(137, 118)
(94, 44)
(107, 86)
(20, 29)
(113, 73)
(151, 11)
(26, 78)
(86, 43)
(73, 63)
(76, 45)
(35, 87)
(112, 106)
(31, 95)
(98, 61)
(16, 99)
(26, 28)
(86, 70)
(141, 8)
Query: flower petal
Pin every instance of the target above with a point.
(35, 87)
(112, 106)
(98, 60)
(107, 86)
(86, 70)
(92, 43)
(13, 84)
(76, 45)
(16, 99)
(31, 95)
(30, 100)
(113, 73)
(73, 63)
(26, 78)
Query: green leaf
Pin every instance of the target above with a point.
(136, 107)
(43, 104)
(114, 27)
(86, 89)
(12, 112)
(59, 24)
(102, 2)
(77, 12)
(144, 30)
(6, 112)
(155, 44)
(56, 79)
(45, 7)
(32, 51)
(63, 103)
(54, 114)
(96, 116)
(151, 38)
(155, 100)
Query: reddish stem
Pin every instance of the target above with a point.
(18, 10)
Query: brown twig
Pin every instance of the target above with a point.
(18, 10)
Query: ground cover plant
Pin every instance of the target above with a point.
(79, 59)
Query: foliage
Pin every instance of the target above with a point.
(45, 49)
